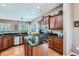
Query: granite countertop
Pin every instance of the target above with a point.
(55, 35)
(35, 41)
(42, 40)
(13, 34)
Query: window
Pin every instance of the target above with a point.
(22, 26)
(5, 27)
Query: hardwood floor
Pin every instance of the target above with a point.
(19, 51)
(14, 51)
(51, 52)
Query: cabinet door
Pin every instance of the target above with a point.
(40, 50)
(53, 22)
(50, 44)
(5, 42)
(10, 41)
(26, 49)
(0, 44)
(58, 45)
(46, 20)
(42, 24)
(60, 21)
(29, 50)
(50, 41)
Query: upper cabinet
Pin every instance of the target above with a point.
(56, 21)
(53, 22)
(46, 22)
(60, 21)
(42, 23)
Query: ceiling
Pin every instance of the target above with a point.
(24, 11)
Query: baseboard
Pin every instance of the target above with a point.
(72, 53)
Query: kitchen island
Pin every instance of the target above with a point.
(36, 47)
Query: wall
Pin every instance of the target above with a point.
(75, 42)
(71, 33)
(13, 23)
(67, 22)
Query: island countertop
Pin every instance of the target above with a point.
(35, 41)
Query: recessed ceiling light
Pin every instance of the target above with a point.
(37, 7)
(3, 5)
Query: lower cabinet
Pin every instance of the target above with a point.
(1, 44)
(56, 44)
(25, 49)
(7, 42)
(10, 41)
(29, 50)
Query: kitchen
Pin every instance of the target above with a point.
(26, 33)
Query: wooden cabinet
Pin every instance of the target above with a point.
(60, 21)
(44, 23)
(56, 22)
(1, 43)
(46, 20)
(26, 49)
(56, 44)
(53, 22)
(41, 24)
(7, 41)
(10, 41)
(29, 50)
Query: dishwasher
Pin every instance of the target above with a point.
(18, 40)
